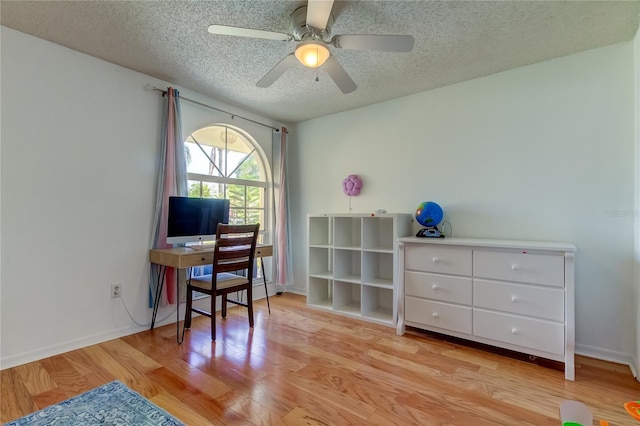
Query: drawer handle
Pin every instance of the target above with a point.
(202, 259)
(435, 315)
(515, 267)
(514, 330)
(515, 299)
(435, 287)
(435, 259)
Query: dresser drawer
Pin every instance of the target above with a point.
(521, 331)
(519, 266)
(444, 260)
(437, 314)
(445, 288)
(542, 302)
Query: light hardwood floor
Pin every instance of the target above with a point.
(301, 366)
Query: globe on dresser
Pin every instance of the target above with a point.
(429, 215)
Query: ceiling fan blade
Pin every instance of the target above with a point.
(382, 43)
(248, 32)
(318, 12)
(339, 75)
(275, 72)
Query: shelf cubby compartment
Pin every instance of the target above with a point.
(319, 231)
(377, 269)
(320, 292)
(377, 304)
(347, 265)
(347, 297)
(377, 234)
(347, 232)
(320, 262)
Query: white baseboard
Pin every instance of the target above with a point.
(23, 358)
(41, 353)
(297, 290)
(608, 355)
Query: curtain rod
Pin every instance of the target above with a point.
(164, 92)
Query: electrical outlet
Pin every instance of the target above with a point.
(116, 290)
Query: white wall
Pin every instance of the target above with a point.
(636, 45)
(543, 152)
(80, 141)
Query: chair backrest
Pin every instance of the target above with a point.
(235, 248)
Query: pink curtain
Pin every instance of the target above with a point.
(170, 188)
(172, 180)
(282, 213)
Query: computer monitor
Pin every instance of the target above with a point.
(193, 220)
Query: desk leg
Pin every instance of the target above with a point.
(156, 302)
(180, 338)
(178, 308)
(264, 278)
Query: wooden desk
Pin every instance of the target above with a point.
(183, 258)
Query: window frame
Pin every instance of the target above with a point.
(266, 231)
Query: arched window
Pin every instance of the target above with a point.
(226, 162)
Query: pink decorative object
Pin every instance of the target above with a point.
(351, 185)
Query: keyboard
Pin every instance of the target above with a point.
(197, 247)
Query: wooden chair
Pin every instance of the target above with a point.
(234, 253)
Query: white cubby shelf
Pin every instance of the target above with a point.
(352, 264)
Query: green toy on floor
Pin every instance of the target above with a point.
(575, 413)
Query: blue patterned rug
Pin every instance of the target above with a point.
(111, 404)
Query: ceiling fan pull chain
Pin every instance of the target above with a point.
(317, 79)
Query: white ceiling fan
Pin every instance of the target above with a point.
(311, 28)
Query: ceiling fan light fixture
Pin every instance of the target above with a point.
(312, 54)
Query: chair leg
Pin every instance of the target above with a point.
(250, 304)
(224, 305)
(213, 317)
(187, 313)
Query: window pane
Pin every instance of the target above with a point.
(225, 152)
(254, 196)
(205, 189)
(255, 216)
(195, 188)
(247, 168)
(237, 194)
(239, 149)
(202, 158)
(236, 216)
(214, 190)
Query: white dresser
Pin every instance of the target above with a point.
(517, 295)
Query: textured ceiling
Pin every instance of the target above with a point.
(455, 41)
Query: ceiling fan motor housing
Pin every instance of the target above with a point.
(299, 27)
(311, 27)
